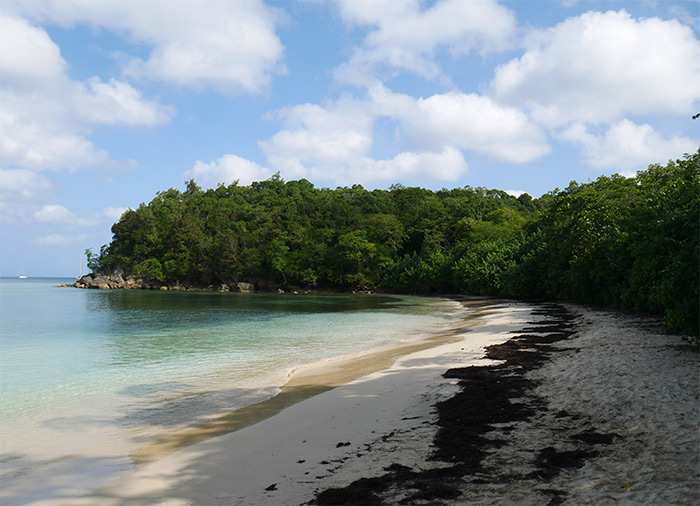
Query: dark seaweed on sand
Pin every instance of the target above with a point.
(493, 394)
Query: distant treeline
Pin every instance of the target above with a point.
(629, 243)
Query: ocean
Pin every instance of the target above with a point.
(87, 377)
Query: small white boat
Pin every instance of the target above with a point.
(22, 276)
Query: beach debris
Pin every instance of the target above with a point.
(300, 461)
(271, 487)
(626, 484)
(341, 444)
(491, 394)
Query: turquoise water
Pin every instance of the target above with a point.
(87, 376)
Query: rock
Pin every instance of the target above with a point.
(279, 290)
(164, 288)
(244, 287)
(224, 287)
(95, 281)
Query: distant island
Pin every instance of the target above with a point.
(627, 243)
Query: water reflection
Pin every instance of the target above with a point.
(152, 300)
(156, 327)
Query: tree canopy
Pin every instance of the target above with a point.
(629, 243)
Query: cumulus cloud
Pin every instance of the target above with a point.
(55, 214)
(226, 170)
(18, 189)
(407, 167)
(626, 147)
(598, 67)
(446, 165)
(22, 184)
(320, 139)
(335, 142)
(465, 121)
(26, 141)
(332, 145)
(405, 36)
(45, 117)
(219, 44)
(116, 103)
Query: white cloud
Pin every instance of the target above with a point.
(34, 58)
(334, 142)
(60, 240)
(54, 214)
(320, 139)
(407, 167)
(515, 193)
(415, 168)
(219, 44)
(597, 67)
(22, 184)
(117, 103)
(684, 16)
(18, 188)
(113, 213)
(626, 147)
(45, 117)
(406, 36)
(332, 145)
(466, 121)
(227, 169)
(26, 141)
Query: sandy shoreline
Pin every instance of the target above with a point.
(616, 375)
(361, 412)
(313, 379)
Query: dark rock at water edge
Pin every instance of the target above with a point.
(119, 282)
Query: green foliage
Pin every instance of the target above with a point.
(630, 243)
(150, 269)
(93, 260)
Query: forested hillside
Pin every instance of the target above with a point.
(630, 243)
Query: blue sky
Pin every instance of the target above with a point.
(105, 103)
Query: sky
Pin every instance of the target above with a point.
(105, 103)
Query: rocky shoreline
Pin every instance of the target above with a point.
(97, 281)
(118, 281)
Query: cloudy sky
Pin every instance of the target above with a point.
(104, 103)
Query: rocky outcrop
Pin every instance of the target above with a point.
(98, 281)
(118, 281)
(245, 287)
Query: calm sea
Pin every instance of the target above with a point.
(87, 376)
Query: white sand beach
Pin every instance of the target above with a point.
(617, 375)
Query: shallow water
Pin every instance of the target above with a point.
(87, 377)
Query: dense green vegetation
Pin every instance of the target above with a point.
(629, 243)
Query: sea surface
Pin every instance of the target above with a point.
(88, 376)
